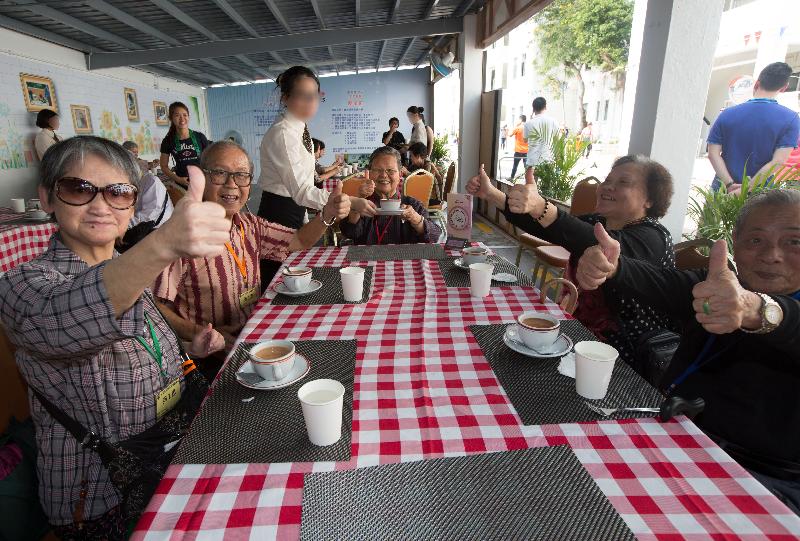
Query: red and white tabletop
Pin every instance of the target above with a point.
(19, 243)
(423, 389)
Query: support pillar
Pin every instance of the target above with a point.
(470, 115)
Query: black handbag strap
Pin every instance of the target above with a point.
(163, 210)
(86, 438)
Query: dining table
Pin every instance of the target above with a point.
(22, 239)
(423, 389)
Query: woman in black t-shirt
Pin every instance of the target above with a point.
(183, 144)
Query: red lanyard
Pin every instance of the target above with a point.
(239, 262)
(385, 228)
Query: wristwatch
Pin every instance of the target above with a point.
(771, 315)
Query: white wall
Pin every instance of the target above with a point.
(101, 90)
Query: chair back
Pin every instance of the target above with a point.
(419, 185)
(584, 197)
(569, 301)
(13, 391)
(351, 184)
(449, 179)
(687, 255)
(175, 194)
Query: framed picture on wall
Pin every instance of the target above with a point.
(39, 92)
(81, 119)
(131, 105)
(160, 112)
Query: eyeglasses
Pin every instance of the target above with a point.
(375, 173)
(220, 177)
(78, 192)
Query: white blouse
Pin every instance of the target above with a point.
(287, 168)
(44, 140)
(419, 134)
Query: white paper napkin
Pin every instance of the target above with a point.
(567, 365)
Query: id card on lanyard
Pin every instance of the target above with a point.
(249, 295)
(169, 396)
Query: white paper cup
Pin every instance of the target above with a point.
(352, 283)
(594, 364)
(272, 369)
(538, 338)
(480, 279)
(18, 205)
(322, 401)
(297, 278)
(390, 204)
(474, 254)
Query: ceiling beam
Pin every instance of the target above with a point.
(318, 38)
(72, 22)
(393, 13)
(278, 15)
(405, 52)
(223, 68)
(183, 17)
(236, 17)
(380, 55)
(133, 22)
(322, 25)
(429, 9)
(356, 57)
(463, 8)
(46, 35)
(358, 13)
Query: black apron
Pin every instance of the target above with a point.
(280, 210)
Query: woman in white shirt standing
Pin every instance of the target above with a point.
(287, 160)
(47, 120)
(420, 133)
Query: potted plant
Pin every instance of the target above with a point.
(556, 178)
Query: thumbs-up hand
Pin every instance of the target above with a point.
(196, 228)
(367, 188)
(207, 341)
(525, 198)
(720, 303)
(480, 185)
(338, 205)
(599, 262)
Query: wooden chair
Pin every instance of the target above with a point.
(351, 184)
(550, 261)
(569, 301)
(175, 193)
(584, 196)
(419, 185)
(449, 180)
(687, 255)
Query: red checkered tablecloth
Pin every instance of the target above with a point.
(424, 390)
(21, 243)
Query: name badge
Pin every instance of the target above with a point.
(248, 297)
(168, 397)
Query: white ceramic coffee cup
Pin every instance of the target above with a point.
(536, 338)
(272, 369)
(474, 254)
(352, 283)
(297, 278)
(322, 401)
(390, 204)
(594, 364)
(18, 205)
(480, 279)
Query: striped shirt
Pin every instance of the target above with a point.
(72, 348)
(208, 290)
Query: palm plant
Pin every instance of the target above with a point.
(556, 178)
(715, 212)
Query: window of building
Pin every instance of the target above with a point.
(505, 40)
(597, 112)
(491, 80)
(794, 82)
(522, 67)
(605, 111)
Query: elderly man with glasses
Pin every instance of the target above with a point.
(222, 290)
(410, 226)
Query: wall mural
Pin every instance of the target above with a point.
(15, 151)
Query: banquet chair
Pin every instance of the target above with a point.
(351, 184)
(419, 185)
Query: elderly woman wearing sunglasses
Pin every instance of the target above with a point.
(91, 343)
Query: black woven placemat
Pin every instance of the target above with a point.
(269, 428)
(541, 395)
(331, 291)
(395, 252)
(540, 493)
(457, 277)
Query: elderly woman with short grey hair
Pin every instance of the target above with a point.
(411, 226)
(104, 369)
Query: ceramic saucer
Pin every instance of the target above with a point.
(562, 345)
(387, 212)
(283, 290)
(247, 376)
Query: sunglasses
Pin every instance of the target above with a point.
(77, 192)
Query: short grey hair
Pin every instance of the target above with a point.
(129, 145)
(771, 198)
(68, 153)
(220, 146)
(386, 151)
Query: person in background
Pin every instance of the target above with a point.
(384, 178)
(630, 201)
(89, 337)
(520, 144)
(503, 136)
(182, 144)
(538, 131)
(757, 135)
(323, 172)
(287, 161)
(393, 137)
(153, 203)
(587, 138)
(223, 290)
(48, 121)
(420, 133)
(418, 160)
(144, 165)
(740, 349)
